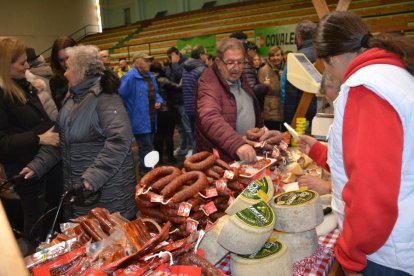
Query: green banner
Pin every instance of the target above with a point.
(185, 45)
(282, 36)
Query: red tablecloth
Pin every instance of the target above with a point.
(317, 264)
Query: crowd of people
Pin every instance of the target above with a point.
(71, 126)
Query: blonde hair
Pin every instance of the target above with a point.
(10, 50)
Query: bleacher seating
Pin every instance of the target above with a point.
(157, 35)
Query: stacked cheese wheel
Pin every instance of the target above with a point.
(272, 259)
(298, 213)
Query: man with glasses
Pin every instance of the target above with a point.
(139, 91)
(226, 105)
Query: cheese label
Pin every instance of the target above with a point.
(258, 189)
(268, 249)
(257, 215)
(294, 198)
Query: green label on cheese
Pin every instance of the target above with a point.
(262, 184)
(269, 248)
(258, 215)
(294, 198)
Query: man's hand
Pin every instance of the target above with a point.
(175, 58)
(246, 153)
(271, 136)
(305, 143)
(49, 138)
(28, 173)
(157, 105)
(316, 184)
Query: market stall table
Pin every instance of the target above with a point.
(317, 264)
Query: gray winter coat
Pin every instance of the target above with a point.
(95, 145)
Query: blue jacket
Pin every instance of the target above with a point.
(193, 68)
(134, 93)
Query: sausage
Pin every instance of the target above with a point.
(222, 164)
(254, 134)
(212, 174)
(117, 219)
(133, 236)
(218, 169)
(192, 259)
(143, 228)
(91, 227)
(145, 201)
(180, 181)
(167, 173)
(199, 185)
(199, 161)
(148, 179)
(102, 216)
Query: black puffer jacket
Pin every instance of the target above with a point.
(19, 126)
(95, 138)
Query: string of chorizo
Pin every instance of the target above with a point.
(200, 161)
(199, 183)
(153, 176)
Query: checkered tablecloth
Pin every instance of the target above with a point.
(316, 265)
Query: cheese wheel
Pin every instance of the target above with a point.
(300, 245)
(259, 189)
(297, 211)
(272, 259)
(214, 252)
(247, 231)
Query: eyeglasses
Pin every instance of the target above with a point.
(233, 63)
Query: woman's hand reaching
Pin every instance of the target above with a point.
(49, 138)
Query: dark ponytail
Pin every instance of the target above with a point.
(345, 32)
(398, 44)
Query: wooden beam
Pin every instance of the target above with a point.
(343, 5)
(321, 7)
(303, 107)
(11, 261)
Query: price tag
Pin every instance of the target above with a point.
(209, 225)
(216, 153)
(228, 174)
(211, 192)
(283, 146)
(210, 208)
(184, 209)
(221, 184)
(275, 153)
(191, 225)
(157, 198)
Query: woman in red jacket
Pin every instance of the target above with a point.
(371, 144)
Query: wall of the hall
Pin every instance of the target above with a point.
(113, 10)
(39, 23)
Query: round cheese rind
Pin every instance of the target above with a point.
(259, 189)
(297, 211)
(272, 259)
(214, 252)
(300, 245)
(247, 231)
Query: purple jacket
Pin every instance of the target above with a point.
(217, 115)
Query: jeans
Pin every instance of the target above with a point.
(165, 133)
(184, 129)
(191, 120)
(145, 145)
(374, 269)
